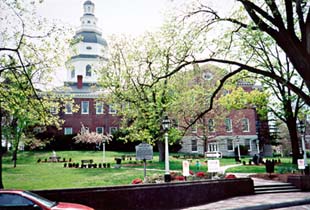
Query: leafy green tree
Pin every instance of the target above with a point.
(139, 83)
(30, 50)
(284, 22)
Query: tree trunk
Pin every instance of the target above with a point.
(161, 150)
(291, 125)
(14, 157)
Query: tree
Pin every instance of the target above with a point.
(29, 52)
(138, 82)
(264, 53)
(287, 23)
(84, 136)
(193, 90)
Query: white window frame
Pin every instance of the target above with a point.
(194, 144)
(233, 144)
(194, 128)
(243, 120)
(228, 120)
(250, 144)
(99, 104)
(211, 129)
(82, 107)
(53, 110)
(72, 73)
(88, 70)
(68, 104)
(111, 129)
(213, 147)
(68, 131)
(111, 109)
(97, 128)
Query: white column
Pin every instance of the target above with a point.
(304, 148)
(103, 152)
(167, 171)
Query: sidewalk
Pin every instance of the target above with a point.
(262, 201)
(295, 200)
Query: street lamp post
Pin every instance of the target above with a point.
(103, 151)
(303, 146)
(166, 126)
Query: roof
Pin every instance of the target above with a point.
(91, 37)
(88, 2)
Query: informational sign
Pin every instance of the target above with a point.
(185, 165)
(213, 166)
(144, 151)
(301, 164)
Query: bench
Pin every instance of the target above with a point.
(213, 154)
(84, 163)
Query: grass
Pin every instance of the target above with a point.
(31, 175)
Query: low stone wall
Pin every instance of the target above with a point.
(302, 182)
(153, 196)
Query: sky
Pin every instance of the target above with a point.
(130, 17)
(114, 16)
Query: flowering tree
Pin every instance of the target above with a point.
(85, 136)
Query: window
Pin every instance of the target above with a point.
(12, 200)
(68, 131)
(230, 145)
(113, 130)
(212, 147)
(99, 108)
(53, 110)
(211, 125)
(194, 128)
(88, 70)
(245, 125)
(111, 109)
(228, 125)
(100, 130)
(68, 108)
(194, 145)
(85, 107)
(72, 73)
(247, 144)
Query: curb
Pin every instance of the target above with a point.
(275, 205)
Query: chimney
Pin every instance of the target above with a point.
(79, 81)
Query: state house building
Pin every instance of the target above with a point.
(81, 84)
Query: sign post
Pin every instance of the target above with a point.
(301, 164)
(213, 166)
(144, 152)
(185, 165)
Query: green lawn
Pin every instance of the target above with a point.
(31, 175)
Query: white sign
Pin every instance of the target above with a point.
(213, 166)
(301, 164)
(144, 151)
(185, 165)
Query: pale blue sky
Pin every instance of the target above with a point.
(114, 16)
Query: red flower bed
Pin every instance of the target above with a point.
(200, 174)
(137, 181)
(230, 176)
(180, 178)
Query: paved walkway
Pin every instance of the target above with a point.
(291, 201)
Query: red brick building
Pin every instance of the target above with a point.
(81, 82)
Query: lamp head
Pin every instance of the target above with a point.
(166, 123)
